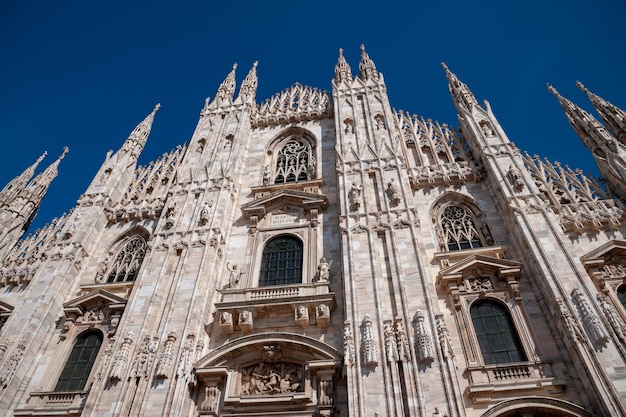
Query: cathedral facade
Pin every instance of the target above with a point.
(320, 254)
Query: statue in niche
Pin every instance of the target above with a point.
(323, 269)
(487, 130)
(355, 196)
(394, 191)
(311, 168)
(204, 213)
(515, 177)
(349, 129)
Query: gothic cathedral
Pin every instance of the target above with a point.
(320, 254)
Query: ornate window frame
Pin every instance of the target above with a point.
(472, 212)
(107, 273)
(281, 155)
(488, 276)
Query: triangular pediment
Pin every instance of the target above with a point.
(612, 248)
(277, 200)
(5, 309)
(93, 299)
(478, 265)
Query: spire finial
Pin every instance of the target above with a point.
(15, 186)
(227, 89)
(247, 92)
(366, 66)
(461, 94)
(613, 117)
(138, 137)
(342, 69)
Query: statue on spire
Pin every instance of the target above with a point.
(247, 92)
(366, 66)
(342, 69)
(15, 186)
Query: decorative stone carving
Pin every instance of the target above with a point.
(245, 321)
(394, 192)
(323, 270)
(594, 326)
(164, 364)
(391, 345)
(478, 284)
(186, 357)
(368, 342)
(355, 196)
(302, 316)
(571, 326)
(423, 342)
(144, 357)
(234, 276)
(121, 358)
(615, 322)
(444, 337)
(348, 344)
(169, 216)
(226, 322)
(10, 366)
(515, 178)
(404, 349)
(322, 315)
(326, 392)
(106, 359)
(298, 102)
(271, 378)
(267, 175)
(486, 128)
(204, 213)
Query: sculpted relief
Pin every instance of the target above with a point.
(271, 378)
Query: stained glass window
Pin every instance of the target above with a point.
(282, 262)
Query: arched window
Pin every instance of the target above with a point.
(621, 295)
(79, 363)
(128, 260)
(282, 262)
(497, 338)
(294, 162)
(459, 229)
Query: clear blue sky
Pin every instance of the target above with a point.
(83, 73)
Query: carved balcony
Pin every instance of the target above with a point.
(66, 403)
(491, 382)
(307, 304)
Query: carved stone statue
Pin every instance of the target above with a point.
(394, 191)
(355, 196)
(266, 175)
(323, 270)
(234, 276)
(267, 379)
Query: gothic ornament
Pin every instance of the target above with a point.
(423, 342)
(164, 364)
(594, 326)
(348, 344)
(368, 341)
(391, 344)
(121, 358)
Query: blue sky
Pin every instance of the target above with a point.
(82, 74)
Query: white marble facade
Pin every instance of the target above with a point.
(321, 254)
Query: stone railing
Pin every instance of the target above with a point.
(67, 403)
(590, 216)
(487, 383)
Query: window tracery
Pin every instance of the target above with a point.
(127, 261)
(458, 229)
(293, 162)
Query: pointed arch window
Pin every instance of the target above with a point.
(281, 263)
(128, 260)
(459, 230)
(294, 162)
(498, 340)
(78, 365)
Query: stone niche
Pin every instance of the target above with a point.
(269, 374)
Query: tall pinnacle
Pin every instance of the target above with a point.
(367, 68)
(611, 115)
(247, 92)
(461, 94)
(342, 69)
(227, 89)
(18, 183)
(138, 137)
(39, 185)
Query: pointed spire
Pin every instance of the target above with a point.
(14, 187)
(367, 68)
(461, 94)
(613, 117)
(138, 137)
(39, 185)
(247, 92)
(342, 69)
(587, 127)
(227, 89)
